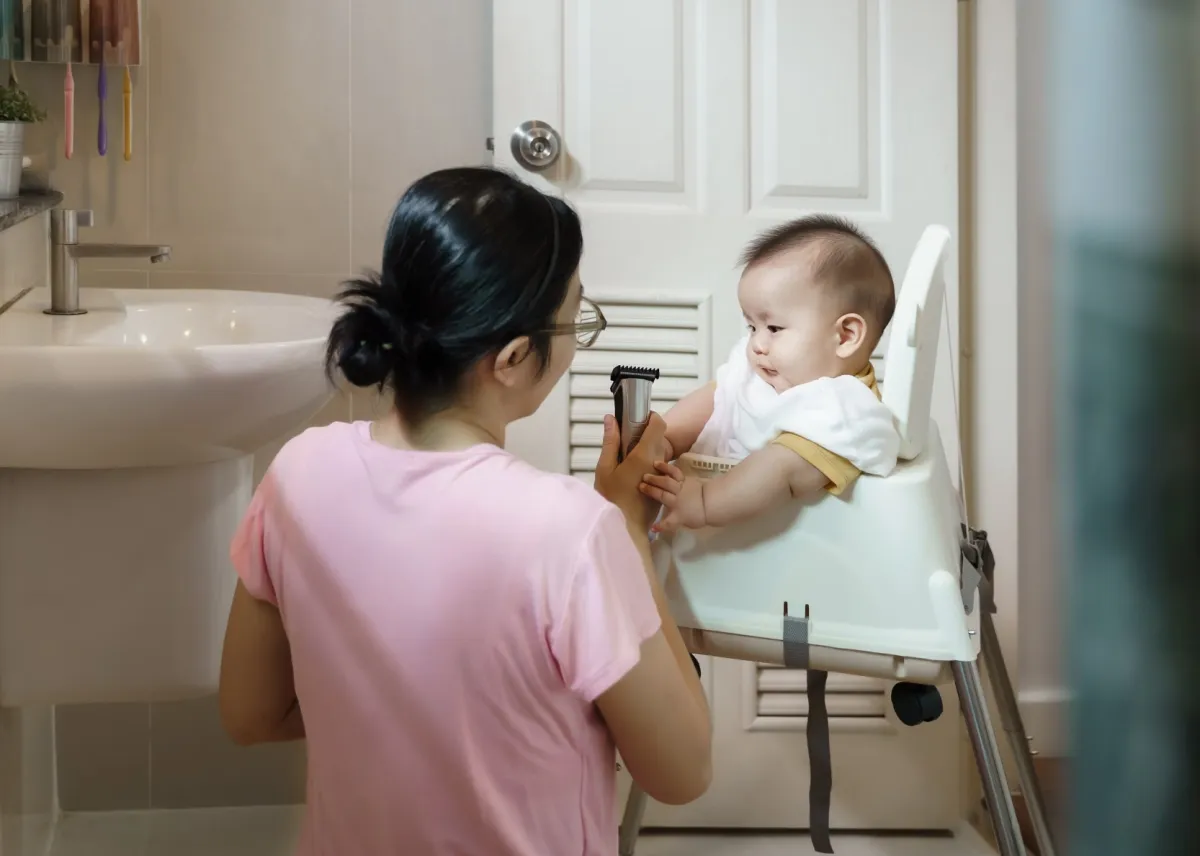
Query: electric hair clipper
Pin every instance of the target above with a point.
(631, 398)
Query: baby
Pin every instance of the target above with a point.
(796, 403)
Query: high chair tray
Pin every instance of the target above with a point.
(875, 572)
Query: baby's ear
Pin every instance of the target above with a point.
(851, 334)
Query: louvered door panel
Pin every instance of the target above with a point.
(781, 703)
(669, 332)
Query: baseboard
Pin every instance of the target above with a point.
(1044, 712)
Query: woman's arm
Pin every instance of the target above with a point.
(658, 714)
(257, 694)
(656, 711)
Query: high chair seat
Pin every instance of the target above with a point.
(871, 579)
(874, 574)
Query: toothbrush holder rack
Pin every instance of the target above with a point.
(87, 32)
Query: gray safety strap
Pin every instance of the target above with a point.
(820, 767)
(978, 567)
(820, 764)
(795, 641)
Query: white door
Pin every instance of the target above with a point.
(688, 126)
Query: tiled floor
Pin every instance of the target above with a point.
(272, 832)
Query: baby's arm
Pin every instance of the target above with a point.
(764, 479)
(686, 419)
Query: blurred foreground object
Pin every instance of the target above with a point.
(1126, 102)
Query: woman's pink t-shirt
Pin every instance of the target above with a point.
(452, 617)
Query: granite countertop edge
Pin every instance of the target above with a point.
(28, 204)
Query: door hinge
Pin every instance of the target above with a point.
(491, 144)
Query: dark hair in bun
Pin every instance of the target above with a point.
(473, 258)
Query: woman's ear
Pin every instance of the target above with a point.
(508, 361)
(851, 334)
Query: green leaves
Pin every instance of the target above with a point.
(17, 106)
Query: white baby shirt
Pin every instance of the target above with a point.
(840, 414)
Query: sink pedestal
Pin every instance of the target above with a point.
(115, 584)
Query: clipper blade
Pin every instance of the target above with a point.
(620, 373)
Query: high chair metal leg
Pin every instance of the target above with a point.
(631, 821)
(1010, 721)
(987, 758)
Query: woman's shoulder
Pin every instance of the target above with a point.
(485, 481)
(317, 441)
(501, 476)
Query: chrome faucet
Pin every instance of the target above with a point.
(66, 251)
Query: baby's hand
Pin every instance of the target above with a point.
(683, 498)
(664, 484)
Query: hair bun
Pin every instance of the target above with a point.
(363, 339)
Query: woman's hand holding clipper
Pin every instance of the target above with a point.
(619, 483)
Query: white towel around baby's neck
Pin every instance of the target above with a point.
(840, 414)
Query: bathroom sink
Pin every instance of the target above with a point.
(127, 441)
(152, 377)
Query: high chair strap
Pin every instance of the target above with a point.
(820, 765)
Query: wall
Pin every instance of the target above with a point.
(1043, 686)
(268, 150)
(24, 258)
(27, 805)
(990, 351)
(1009, 353)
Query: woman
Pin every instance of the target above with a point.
(468, 637)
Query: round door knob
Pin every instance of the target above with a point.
(535, 145)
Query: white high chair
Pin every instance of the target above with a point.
(803, 587)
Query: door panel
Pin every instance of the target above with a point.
(689, 126)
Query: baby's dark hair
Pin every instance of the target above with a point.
(473, 258)
(847, 262)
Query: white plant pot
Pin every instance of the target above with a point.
(12, 151)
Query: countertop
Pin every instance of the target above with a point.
(14, 211)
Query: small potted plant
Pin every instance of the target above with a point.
(16, 111)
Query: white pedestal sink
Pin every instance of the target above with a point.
(126, 444)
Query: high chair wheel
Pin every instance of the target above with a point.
(916, 703)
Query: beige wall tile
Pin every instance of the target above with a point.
(101, 278)
(115, 189)
(421, 100)
(325, 285)
(103, 756)
(24, 256)
(26, 760)
(194, 764)
(250, 142)
(26, 779)
(369, 404)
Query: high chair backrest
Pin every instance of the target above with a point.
(912, 350)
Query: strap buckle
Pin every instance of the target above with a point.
(977, 569)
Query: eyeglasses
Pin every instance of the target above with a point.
(589, 324)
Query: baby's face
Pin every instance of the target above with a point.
(793, 324)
